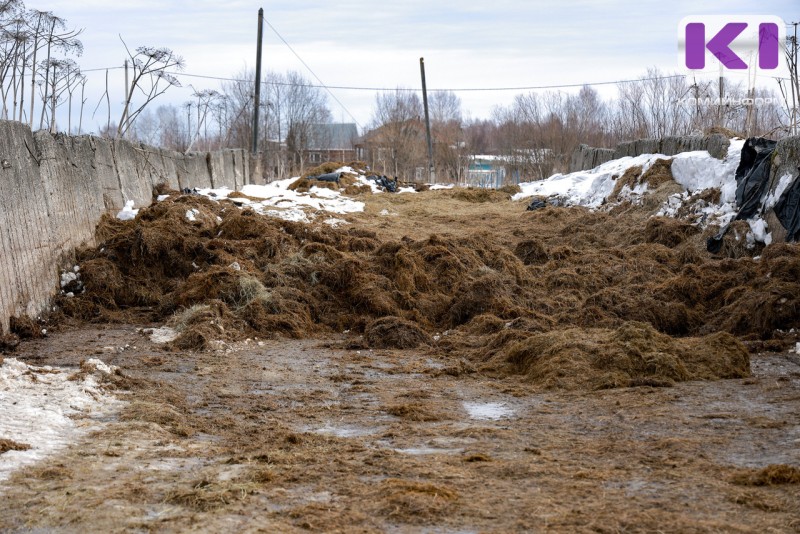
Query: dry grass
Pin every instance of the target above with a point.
(413, 411)
(475, 268)
(11, 445)
(161, 414)
(206, 495)
(395, 333)
(414, 502)
(771, 475)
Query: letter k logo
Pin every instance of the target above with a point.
(719, 45)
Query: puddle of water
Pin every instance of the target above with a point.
(419, 451)
(345, 431)
(488, 410)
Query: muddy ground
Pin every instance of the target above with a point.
(327, 433)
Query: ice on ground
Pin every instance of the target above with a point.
(406, 190)
(161, 198)
(164, 334)
(423, 451)
(128, 213)
(436, 187)
(191, 215)
(41, 406)
(350, 431)
(488, 410)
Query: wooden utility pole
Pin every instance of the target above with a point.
(257, 103)
(794, 80)
(431, 171)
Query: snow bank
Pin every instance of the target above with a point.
(694, 171)
(39, 405)
(587, 188)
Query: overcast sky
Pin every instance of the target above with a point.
(465, 43)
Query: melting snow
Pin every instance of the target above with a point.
(40, 405)
(128, 213)
(488, 410)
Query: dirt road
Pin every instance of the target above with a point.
(308, 435)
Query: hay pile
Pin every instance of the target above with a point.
(348, 182)
(565, 289)
(633, 354)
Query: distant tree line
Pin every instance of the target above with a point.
(533, 136)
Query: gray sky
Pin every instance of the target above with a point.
(466, 43)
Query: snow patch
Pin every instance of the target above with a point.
(128, 213)
(335, 223)
(43, 408)
(164, 334)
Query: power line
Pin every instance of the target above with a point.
(408, 89)
(312, 72)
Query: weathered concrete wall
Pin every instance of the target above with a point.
(55, 188)
(585, 157)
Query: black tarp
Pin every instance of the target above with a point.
(752, 184)
(788, 210)
(752, 175)
(384, 182)
(329, 177)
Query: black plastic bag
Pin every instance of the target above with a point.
(752, 182)
(788, 210)
(752, 175)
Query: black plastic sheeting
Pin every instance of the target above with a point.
(752, 184)
(788, 210)
(329, 177)
(384, 182)
(536, 204)
(752, 176)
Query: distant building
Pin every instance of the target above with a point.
(495, 171)
(485, 170)
(331, 142)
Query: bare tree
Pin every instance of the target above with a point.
(450, 148)
(790, 89)
(150, 78)
(60, 76)
(301, 106)
(49, 32)
(397, 140)
(205, 100)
